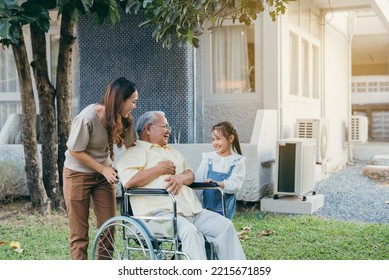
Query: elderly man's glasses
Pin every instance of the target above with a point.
(164, 125)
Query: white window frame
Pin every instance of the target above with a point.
(209, 96)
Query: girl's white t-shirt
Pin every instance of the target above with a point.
(222, 164)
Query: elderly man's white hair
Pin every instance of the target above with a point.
(149, 117)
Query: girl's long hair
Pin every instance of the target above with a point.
(115, 94)
(227, 129)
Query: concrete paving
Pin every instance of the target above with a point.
(293, 204)
(365, 152)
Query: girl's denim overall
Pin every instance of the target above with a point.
(212, 198)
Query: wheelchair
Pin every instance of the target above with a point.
(128, 237)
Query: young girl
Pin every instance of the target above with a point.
(225, 166)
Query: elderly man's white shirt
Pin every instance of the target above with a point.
(145, 155)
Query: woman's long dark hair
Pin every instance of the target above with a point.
(116, 93)
(227, 129)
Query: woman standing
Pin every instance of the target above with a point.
(88, 172)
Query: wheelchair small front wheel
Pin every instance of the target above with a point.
(122, 238)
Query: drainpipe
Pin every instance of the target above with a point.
(323, 84)
(350, 33)
(194, 50)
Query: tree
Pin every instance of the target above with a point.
(171, 19)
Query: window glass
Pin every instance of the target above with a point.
(305, 70)
(54, 50)
(293, 13)
(306, 16)
(8, 74)
(233, 60)
(9, 82)
(293, 63)
(315, 72)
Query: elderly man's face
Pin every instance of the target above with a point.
(159, 131)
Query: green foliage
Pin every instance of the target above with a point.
(107, 11)
(30, 12)
(185, 19)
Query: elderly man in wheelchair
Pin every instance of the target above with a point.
(170, 210)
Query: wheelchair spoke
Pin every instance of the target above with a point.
(121, 238)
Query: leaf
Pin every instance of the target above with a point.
(4, 28)
(44, 24)
(146, 2)
(264, 232)
(2, 243)
(243, 234)
(19, 250)
(15, 245)
(196, 42)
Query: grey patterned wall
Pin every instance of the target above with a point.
(241, 115)
(165, 78)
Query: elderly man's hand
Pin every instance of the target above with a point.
(167, 167)
(174, 184)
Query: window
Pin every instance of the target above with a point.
(233, 60)
(9, 83)
(8, 73)
(304, 50)
(53, 63)
(304, 66)
(306, 16)
(229, 65)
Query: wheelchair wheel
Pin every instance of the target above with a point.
(122, 238)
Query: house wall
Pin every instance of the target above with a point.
(370, 69)
(164, 78)
(334, 103)
(241, 114)
(337, 88)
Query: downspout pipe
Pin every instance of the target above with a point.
(351, 21)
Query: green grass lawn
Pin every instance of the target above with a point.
(265, 236)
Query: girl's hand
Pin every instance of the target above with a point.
(220, 184)
(110, 174)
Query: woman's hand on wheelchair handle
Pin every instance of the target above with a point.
(110, 174)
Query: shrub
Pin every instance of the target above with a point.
(12, 182)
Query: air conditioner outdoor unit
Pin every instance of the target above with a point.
(315, 129)
(358, 129)
(295, 166)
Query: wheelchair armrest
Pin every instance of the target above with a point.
(204, 186)
(144, 191)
